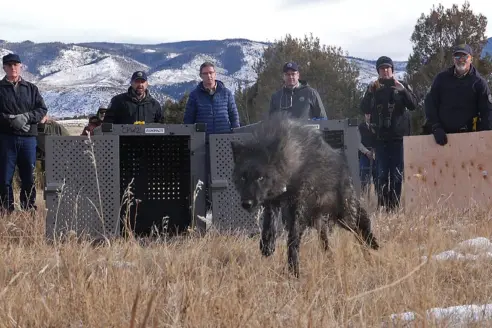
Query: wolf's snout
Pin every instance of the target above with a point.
(247, 204)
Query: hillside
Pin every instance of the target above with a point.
(76, 79)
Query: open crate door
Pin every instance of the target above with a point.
(227, 213)
(82, 186)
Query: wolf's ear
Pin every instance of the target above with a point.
(237, 149)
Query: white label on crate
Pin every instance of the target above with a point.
(154, 130)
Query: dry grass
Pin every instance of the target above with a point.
(220, 281)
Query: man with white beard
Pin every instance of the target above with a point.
(459, 99)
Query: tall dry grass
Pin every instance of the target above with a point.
(220, 281)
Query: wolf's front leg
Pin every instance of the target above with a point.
(295, 226)
(271, 215)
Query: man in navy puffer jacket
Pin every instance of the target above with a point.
(212, 103)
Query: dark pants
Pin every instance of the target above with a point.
(389, 158)
(367, 171)
(20, 151)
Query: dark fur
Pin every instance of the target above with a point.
(289, 166)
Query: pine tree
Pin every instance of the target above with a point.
(324, 68)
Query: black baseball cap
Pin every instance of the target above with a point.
(11, 58)
(290, 66)
(139, 75)
(463, 48)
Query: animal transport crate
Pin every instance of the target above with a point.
(138, 176)
(228, 215)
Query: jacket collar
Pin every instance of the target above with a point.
(4, 81)
(218, 86)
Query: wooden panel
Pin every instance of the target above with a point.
(457, 175)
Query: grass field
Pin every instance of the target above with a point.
(220, 281)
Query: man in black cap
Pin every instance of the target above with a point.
(21, 108)
(297, 97)
(387, 101)
(135, 105)
(459, 99)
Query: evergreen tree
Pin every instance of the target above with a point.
(174, 110)
(323, 67)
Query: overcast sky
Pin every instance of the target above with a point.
(365, 29)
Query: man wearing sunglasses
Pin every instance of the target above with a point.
(459, 99)
(297, 97)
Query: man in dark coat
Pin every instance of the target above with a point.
(459, 99)
(21, 108)
(135, 105)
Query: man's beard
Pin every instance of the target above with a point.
(461, 68)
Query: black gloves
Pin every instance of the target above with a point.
(439, 135)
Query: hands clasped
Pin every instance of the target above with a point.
(19, 122)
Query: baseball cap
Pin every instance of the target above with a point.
(464, 48)
(290, 66)
(11, 58)
(139, 75)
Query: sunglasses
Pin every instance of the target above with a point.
(462, 56)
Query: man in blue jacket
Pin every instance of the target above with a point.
(212, 103)
(21, 109)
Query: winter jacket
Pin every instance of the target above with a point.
(24, 99)
(453, 102)
(389, 109)
(301, 102)
(218, 110)
(125, 108)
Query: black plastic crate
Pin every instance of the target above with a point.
(160, 169)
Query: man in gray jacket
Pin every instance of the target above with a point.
(297, 97)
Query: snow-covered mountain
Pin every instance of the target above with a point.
(75, 79)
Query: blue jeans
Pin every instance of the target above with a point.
(389, 157)
(367, 170)
(17, 151)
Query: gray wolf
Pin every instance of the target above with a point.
(289, 169)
